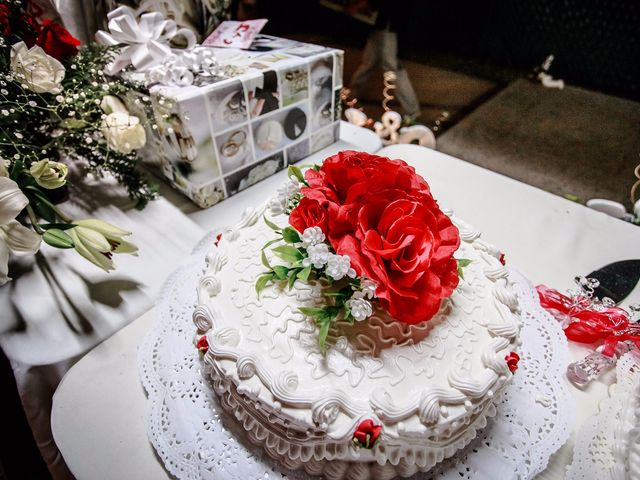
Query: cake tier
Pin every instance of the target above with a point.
(430, 385)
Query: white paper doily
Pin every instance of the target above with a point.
(608, 444)
(195, 440)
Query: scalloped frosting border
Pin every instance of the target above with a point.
(474, 393)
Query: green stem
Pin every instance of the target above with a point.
(34, 220)
(46, 201)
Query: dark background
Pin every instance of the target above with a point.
(596, 43)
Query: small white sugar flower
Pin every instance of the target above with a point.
(359, 307)
(318, 255)
(368, 288)
(312, 236)
(338, 266)
(278, 203)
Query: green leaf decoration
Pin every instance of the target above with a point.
(316, 168)
(292, 277)
(312, 311)
(271, 225)
(294, 171)
(281, 271)
(290, 235)
(324, 325)
(262, 282)
(288, 253)
(57, 238)
(304, 273)
(461, 263)
(271, 242)
(265, 262)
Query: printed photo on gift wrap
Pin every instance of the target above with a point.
(262, 93)
(267, 43)
(323, 138)
(338, 69)
(337, 105)
(294, 83)
(298, 151)
(227, 106)
(186, 145)
(208, 195)
(233, 149)
(304, 50)
(279, 129)
(242, 179)
(321, 92)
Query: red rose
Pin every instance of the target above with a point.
(308, 213)
(512, 360)
(5, 20)
(203, 344)
(348, 178)
(56, 40)
(382, 215)
(503, 260)
(367, 434)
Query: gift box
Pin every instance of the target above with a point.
(215, 137)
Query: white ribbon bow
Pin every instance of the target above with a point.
(145, 42)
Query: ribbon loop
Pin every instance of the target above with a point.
(145, 42)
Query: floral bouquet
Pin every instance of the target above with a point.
(370, 231)
(57, 107)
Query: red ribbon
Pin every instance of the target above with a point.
(610, 325)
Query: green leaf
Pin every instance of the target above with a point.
(57, 238)
(262, 282)
(292, 277)
(461, 263)
(294, 171)
(271, 225)
(265, 262)
(316, 168)
(290, 235)
(59, 226)
(324, 331)
(271, 242)
(312, 311)
(288, 253)
(304, 273)
(43, 210)
(281, 271)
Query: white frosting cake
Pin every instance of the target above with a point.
(430, 386)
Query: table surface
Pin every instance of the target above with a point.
(99, 408)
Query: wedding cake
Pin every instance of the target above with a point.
(354, 328)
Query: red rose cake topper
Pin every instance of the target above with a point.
(371, 223)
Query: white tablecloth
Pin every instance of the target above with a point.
(98, 411)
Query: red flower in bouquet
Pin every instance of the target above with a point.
(309, 213)
(5, 20)
(381, 214)
(367, 434)
(56, 40)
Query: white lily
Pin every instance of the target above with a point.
(97, 241)
(14, 237)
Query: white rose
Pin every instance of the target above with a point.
(34, 68)
(123, 132)
(112, 104)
